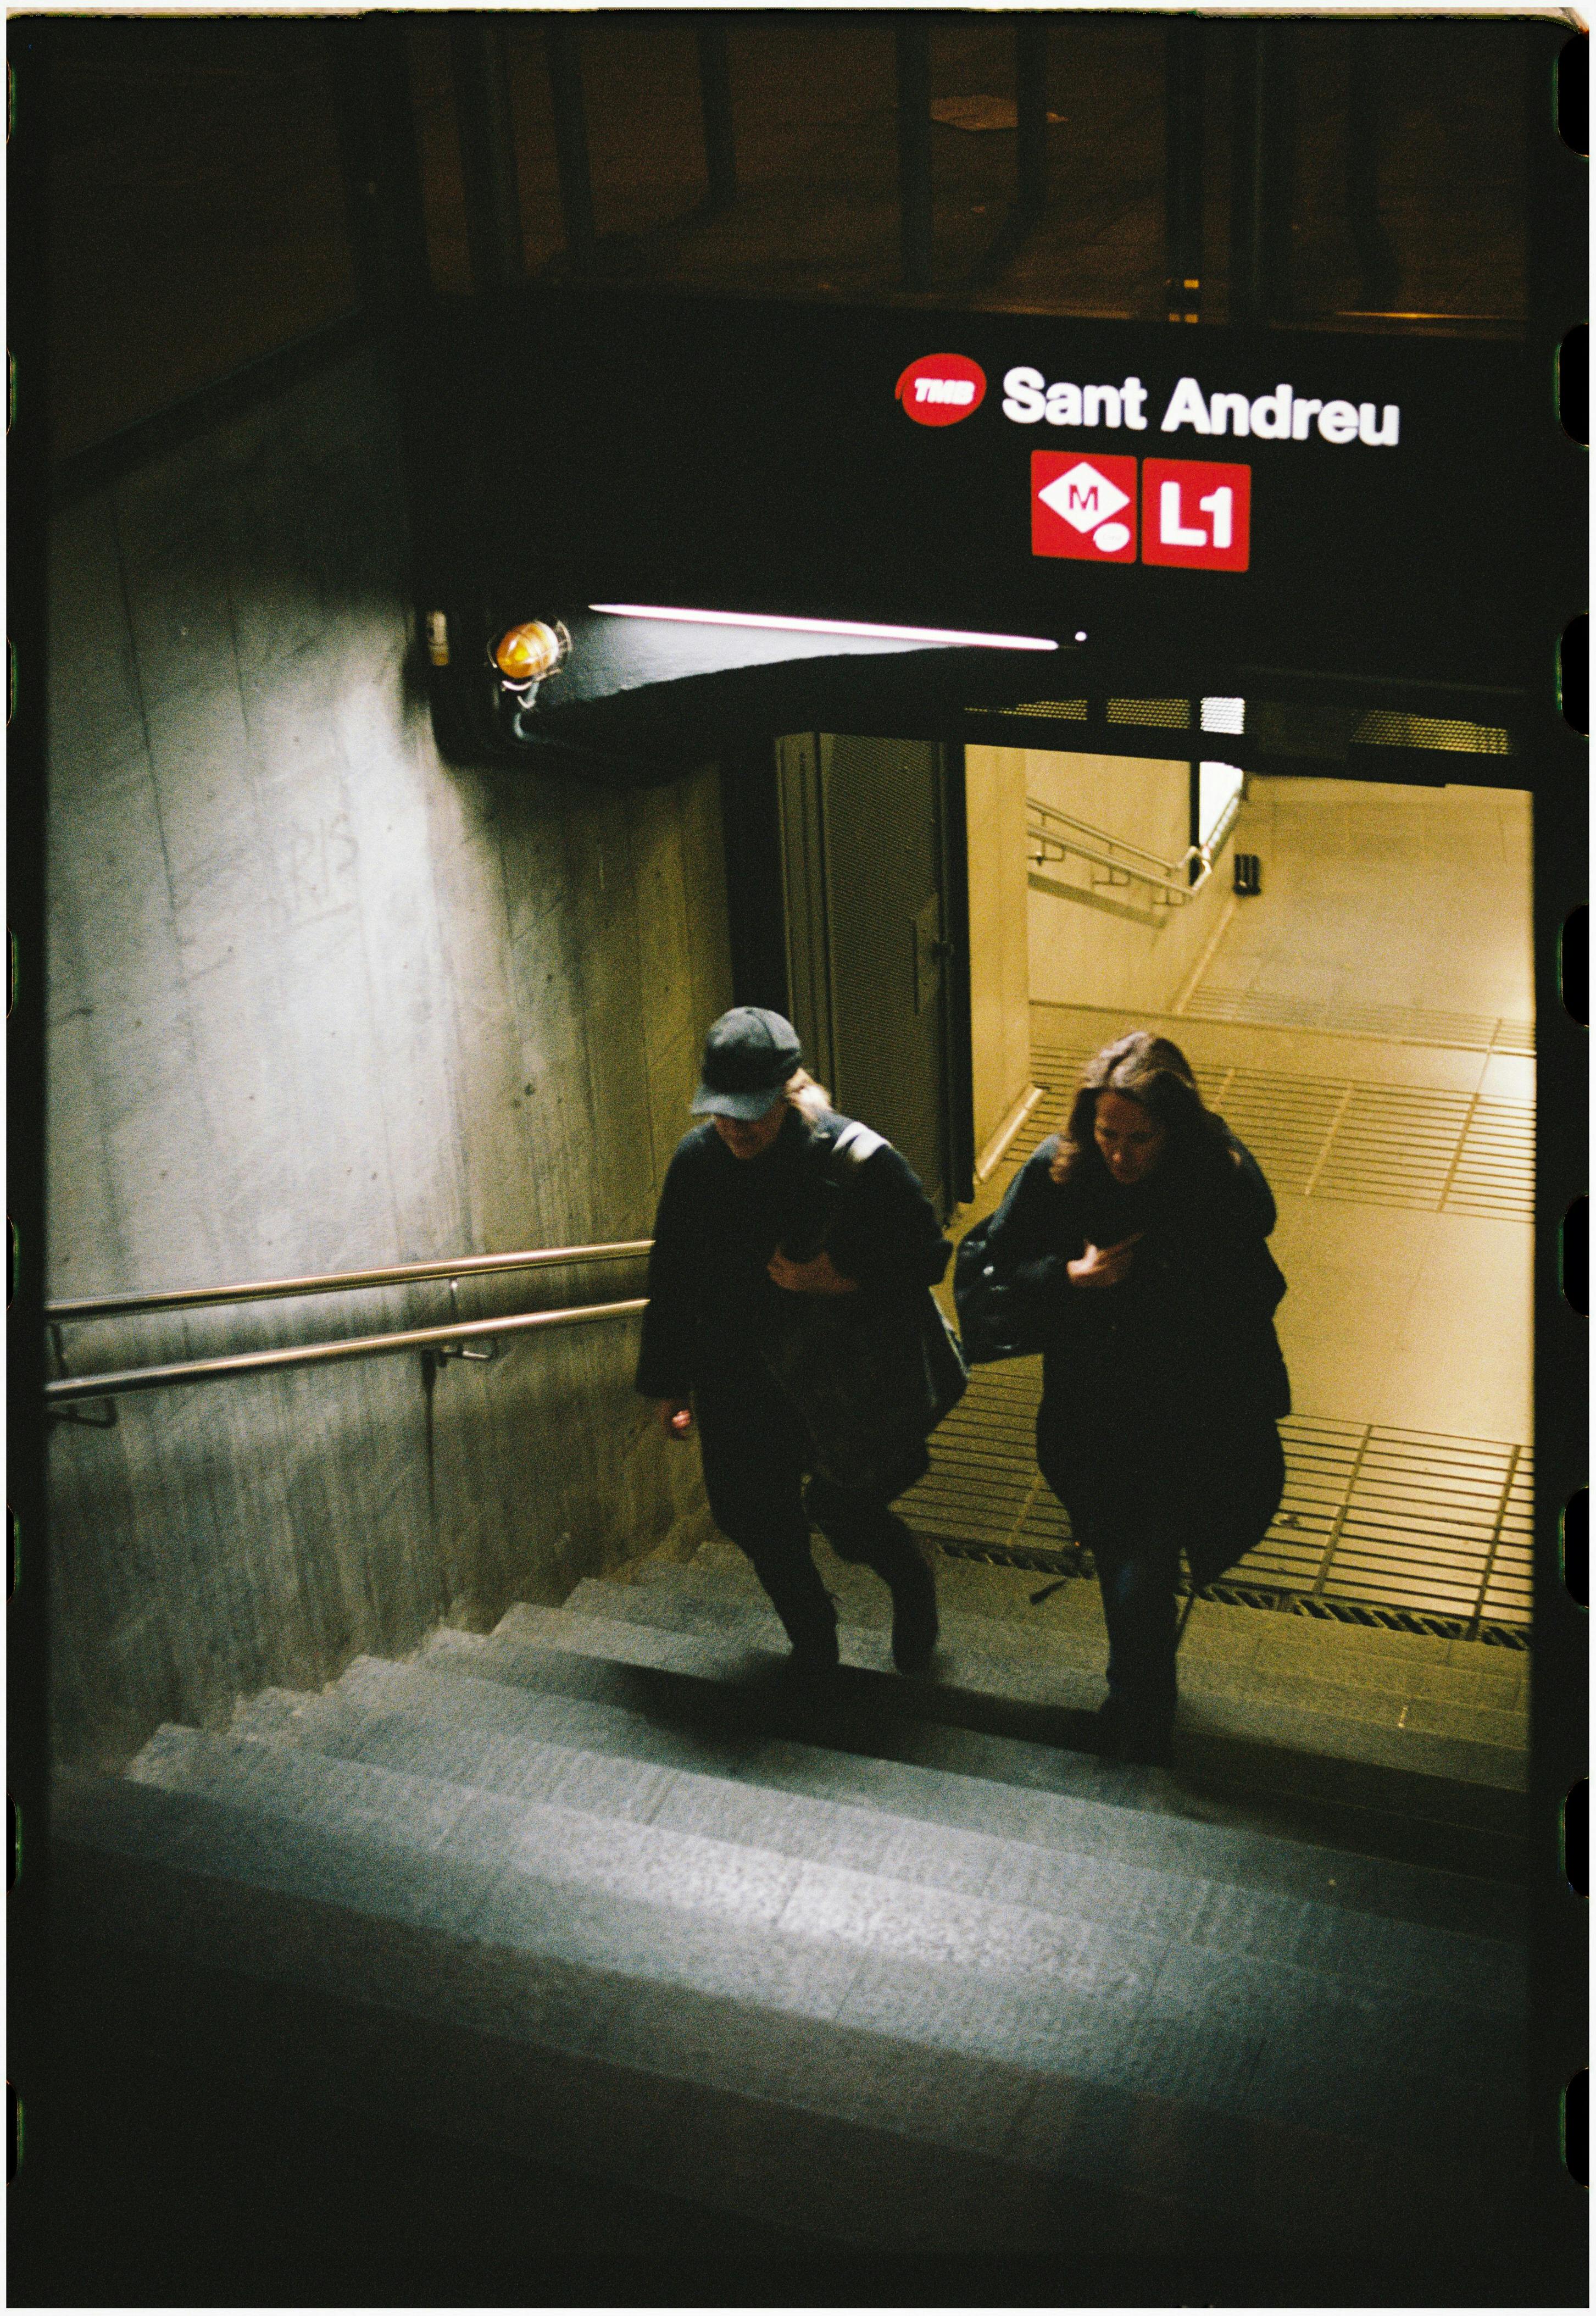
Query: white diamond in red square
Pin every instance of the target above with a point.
(1083, 507)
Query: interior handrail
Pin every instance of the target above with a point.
(1100, 836)
(262, 1290)
(114, 1384)
(1171, 878)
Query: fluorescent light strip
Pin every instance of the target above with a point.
(829, 626)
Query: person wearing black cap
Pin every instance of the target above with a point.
(749, 1213)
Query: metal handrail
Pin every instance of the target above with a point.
(1214, 843)
(1171, 879)
(354, 1346)
(1121, 843)
(465, 1266)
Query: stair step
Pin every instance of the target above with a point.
(603, 1889)
(1390, 1812)
(421, 1721)
(786, 2094)
(1070, 1620)
(674, 1718)
(702, 1595)
(1069, 1623)
(1256, 2037)
(1300, 1697)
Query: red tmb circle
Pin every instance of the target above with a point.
(939, 389)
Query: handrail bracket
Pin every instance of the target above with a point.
(78, 1412)
(487, 1351)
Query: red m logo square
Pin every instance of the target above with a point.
(1083, 507)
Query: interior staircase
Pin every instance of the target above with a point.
(894, 1962)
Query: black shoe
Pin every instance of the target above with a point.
(1127, 1733)
(914, 1626)
(1149, 1741)
(811, 1661)
(1105, 1729)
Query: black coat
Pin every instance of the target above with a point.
(1160, 1393)
(721, 1218)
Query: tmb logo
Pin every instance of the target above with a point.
(1193, 514)
(1084, 507)
(939, 389)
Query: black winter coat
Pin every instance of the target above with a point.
(1163, 1391)
(721, 1218)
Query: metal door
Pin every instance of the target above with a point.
(864, 850)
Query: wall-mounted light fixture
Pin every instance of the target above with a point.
(526, 655)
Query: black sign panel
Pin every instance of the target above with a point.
(1305, 500)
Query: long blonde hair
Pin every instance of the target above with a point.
(810, 1100)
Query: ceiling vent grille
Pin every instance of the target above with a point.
(1166, 714)
(1381, 728)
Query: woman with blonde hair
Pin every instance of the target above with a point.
(752, 1213)
(1137, 1241)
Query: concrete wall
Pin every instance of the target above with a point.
(1084, 953)
(1000, 964)
(318, 1001)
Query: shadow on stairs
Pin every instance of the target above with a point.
(587, 1964)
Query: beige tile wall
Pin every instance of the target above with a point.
(1374, 893)
(1083, 954)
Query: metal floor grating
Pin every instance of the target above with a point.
(1414, 1519)
(1373, 1519)
(1326, 1137)
(1402, 1025)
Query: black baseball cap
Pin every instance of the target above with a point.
(749, 1054)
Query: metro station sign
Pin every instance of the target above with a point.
(1281, 498)
(1193, 514)
(1196, 515)
(1083, 507)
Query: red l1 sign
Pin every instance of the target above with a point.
(1196, 514)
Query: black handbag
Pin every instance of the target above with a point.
(871, 1375)
(998, 1318)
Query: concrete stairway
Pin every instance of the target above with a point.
(1402, 1701)
(887, 1964)
(1396, 1742)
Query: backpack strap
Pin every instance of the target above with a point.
(852, 1146)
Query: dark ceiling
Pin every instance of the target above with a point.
(198, 218)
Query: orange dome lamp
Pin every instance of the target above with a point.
(526, 656)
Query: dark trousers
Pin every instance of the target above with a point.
(755, 1455)
(1137, 1576)
(1127, 1520)
(1217, 1498)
